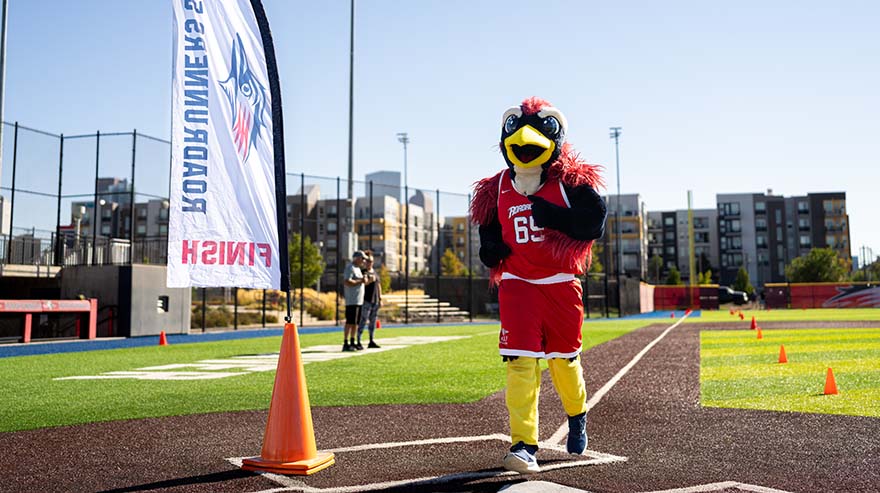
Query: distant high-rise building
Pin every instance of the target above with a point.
(385, 183)
(668, 239)
(633, 232)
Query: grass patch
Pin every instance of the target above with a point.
(809, 315)
(463, 370)
(739, 371)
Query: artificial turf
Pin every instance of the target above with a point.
(811, 314)
(461, 370)
(737, 370)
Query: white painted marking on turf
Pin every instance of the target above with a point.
(285, 481)
(210, 368)
(427, 441)
(433, 480)
(560, 434)
(721, 486)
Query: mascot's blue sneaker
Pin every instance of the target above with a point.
(577, 434)
(521, 459)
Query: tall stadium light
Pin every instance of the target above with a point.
(403, 138)
(615, 134)
(351, 230)
(4, 8)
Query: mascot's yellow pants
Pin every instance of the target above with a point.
(524, 385)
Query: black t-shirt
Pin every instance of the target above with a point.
(369, 292)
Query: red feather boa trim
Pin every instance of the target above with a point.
(573, 172)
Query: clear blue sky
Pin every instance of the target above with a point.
(714, 97)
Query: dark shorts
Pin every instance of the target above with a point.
(352, 314)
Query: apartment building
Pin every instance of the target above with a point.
(668, 238)
(633, 234)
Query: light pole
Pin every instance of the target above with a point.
(80, 212)
(615, 134)
(350, 131)
(403, 138)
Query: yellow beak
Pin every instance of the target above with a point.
(528, 136)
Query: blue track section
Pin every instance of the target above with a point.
(55, 347)
(663, 314)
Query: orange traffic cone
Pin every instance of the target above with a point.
(782, 357)
(754, 323)
(289, 442)
(163, 341)
(687, 312)
(378, 324)
(830, 384)
(741, 316)
(672, 315)
(731, 312)
(760, 335)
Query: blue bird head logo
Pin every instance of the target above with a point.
(247, 101)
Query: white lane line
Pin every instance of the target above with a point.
(435, 480)
(722, 486)
(427, 441)
(561, 433)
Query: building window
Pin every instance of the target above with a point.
(736, 243)
(105, 229)
(761, 241)
(142, 213)
(805, 240)
(760, 206)
(670, 250)
(163, 229)
(669, 235)
(141, 229)
(831, 241)
(804, 224)
(331, 227)
(669, 221)
(803, 206)
(761, 224)
(778, 214)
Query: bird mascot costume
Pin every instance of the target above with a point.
(537, 221)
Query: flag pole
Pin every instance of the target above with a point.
(278, 147)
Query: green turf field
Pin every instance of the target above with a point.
(836, 314)
(462, 370)
(739, 371)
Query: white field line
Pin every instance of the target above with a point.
(427, 441)
(560, 434)
(722, 486)
(426, 481)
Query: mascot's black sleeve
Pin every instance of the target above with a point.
(583, 221)
(492, 247)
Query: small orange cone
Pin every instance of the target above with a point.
(731, 312)
(289, 442)
(672, 315)
(688, 311)
(378, 324)
(163, 341)
(741, 316)
(754, 323)
(760, 335)
(782, 357)
(830, 384)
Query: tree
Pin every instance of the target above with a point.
(705, 277)
(596, 266)
(674, 277)
(450, 265)
(870, 272)
(742, 282)
(655, 266)
(384, 279)
(312, 262)
(820, 265)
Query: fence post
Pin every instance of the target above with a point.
(131, 199)
(338, 239)
(204, 306)
(235, 308)
(438, 251)
(59, 249)
(95, 204)
(406, 254)
(302, 248)
(264, 308)
(371, 218)
(607, 251)
(470, 248)
(12, 198)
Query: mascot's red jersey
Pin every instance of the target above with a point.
(530, 257)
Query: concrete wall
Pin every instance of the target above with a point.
(147, 285)
(131, 293)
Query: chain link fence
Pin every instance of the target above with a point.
(102, 199)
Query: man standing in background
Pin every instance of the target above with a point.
(353, 281)
(372, 301)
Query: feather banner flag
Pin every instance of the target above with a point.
(227, 221)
